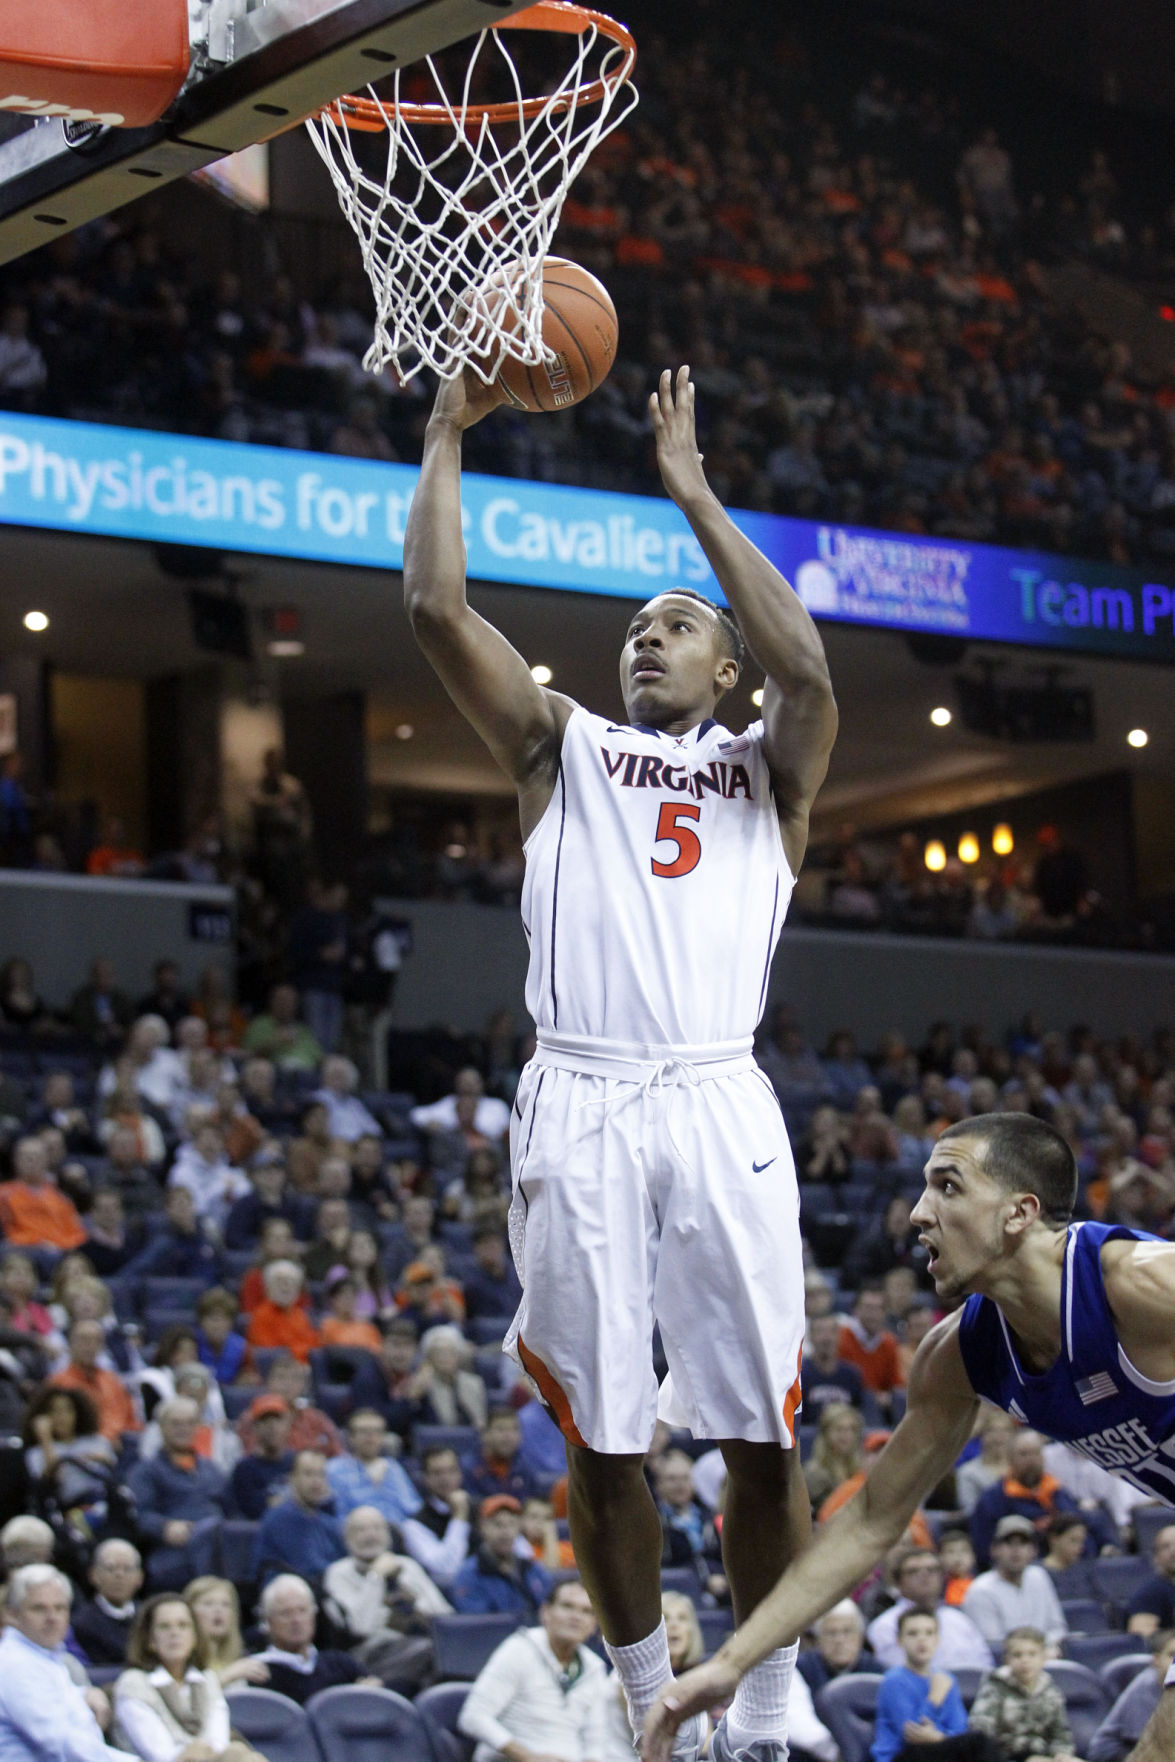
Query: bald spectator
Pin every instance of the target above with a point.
(33, 1212)
(384, 1600)
(840, 1647)
(301, 1535)
(297, 1668)
(109, 1394)
(490, 1117)
(102, 1625)
(1153, 1604)
(348, 1119)
(25, 1541)
(44, 1715)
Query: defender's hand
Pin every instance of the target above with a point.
(696, 1692)
(672, 410)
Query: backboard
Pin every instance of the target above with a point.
(257, 66)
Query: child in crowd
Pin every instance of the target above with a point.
(917, 1706)
(226, 1353)
(958, 1565)
(1020, 1707)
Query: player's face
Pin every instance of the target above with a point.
(960, 1217)
(672, 661)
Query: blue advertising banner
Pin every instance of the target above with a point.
(129, 483)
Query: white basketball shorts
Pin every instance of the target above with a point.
(656, 1184)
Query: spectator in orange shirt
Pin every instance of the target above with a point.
(276, 1242)
(341, 1327)
(33, 1213)
(866, 1342)
(111, 1398)
(115, 855)
(280, 1320)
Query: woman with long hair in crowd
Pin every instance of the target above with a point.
(216, 1610)
(169, 1707)
(836, 1454)
(69, 1462)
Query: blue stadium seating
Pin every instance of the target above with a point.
(715, 1624)
(273, 1724)
(464, 1642)
(465, 1440)
(236, 1550)
(847, 1706)
(1117, 1578)
(969, 1677)
(1096, 1650)
(1086, 1699)
(1086, 1616)
(440, 1708)
(1119, 1673)
(369, 1725)
(685, 1580)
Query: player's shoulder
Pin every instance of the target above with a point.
(1138, 1273)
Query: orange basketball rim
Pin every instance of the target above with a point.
(561, 16)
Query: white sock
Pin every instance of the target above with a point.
(759, 1708)
(644, 1670)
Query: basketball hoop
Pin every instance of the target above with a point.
(454, 235)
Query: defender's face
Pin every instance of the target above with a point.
(672, 660)
(960, 1217)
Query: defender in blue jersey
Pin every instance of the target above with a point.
(1071, 1327)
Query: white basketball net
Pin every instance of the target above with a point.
(455, 223)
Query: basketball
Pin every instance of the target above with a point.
(579, 328)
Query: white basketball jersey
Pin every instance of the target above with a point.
(656, 885)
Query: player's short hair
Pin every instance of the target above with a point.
(732, 636)
(915, 1614)
(1023, 1154)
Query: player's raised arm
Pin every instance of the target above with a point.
(938, 1421)
(487, 679)
(799, 710)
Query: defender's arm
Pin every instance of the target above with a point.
(937, 1423)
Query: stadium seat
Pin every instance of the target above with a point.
(1094, 1650)
(101, 1675)
(336, 1364)
(683, 1579)
(236, 1398)
(464, 1642)
(182, 1294)
(236, 1550)
(1148, 1520)
(1086, 1699)
(1086, 1616)
(369, 1725)
(455, 1236)
(487, 1330)
(1116, 1579)
(159, 1317)
(273, 1724)
(847, 1706)
(715, 1624)
(440, 1708)
(465, 1440)
(488, 1366)
(1075, 1581)
(1118, 1673)
(968, 1677)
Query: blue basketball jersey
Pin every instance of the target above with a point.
(1092, 1397)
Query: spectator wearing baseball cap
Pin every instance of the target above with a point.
(1017, 1592)
(261, 1477)
(495, 1580)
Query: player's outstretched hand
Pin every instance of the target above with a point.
(672, 409)
(708, 1685)
(465, 400)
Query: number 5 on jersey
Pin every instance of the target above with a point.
(670, 830)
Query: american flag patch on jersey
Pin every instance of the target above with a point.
(1098, 1387)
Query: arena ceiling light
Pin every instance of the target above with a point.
(37, 621)
(285, 648)
(541, 675)
(757, 698)
(935, 856)
(404, 731)
(1136, 737)
(968, 848)
(941, 716)
(1002, 841)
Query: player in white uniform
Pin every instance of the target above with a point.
(652, 1174)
